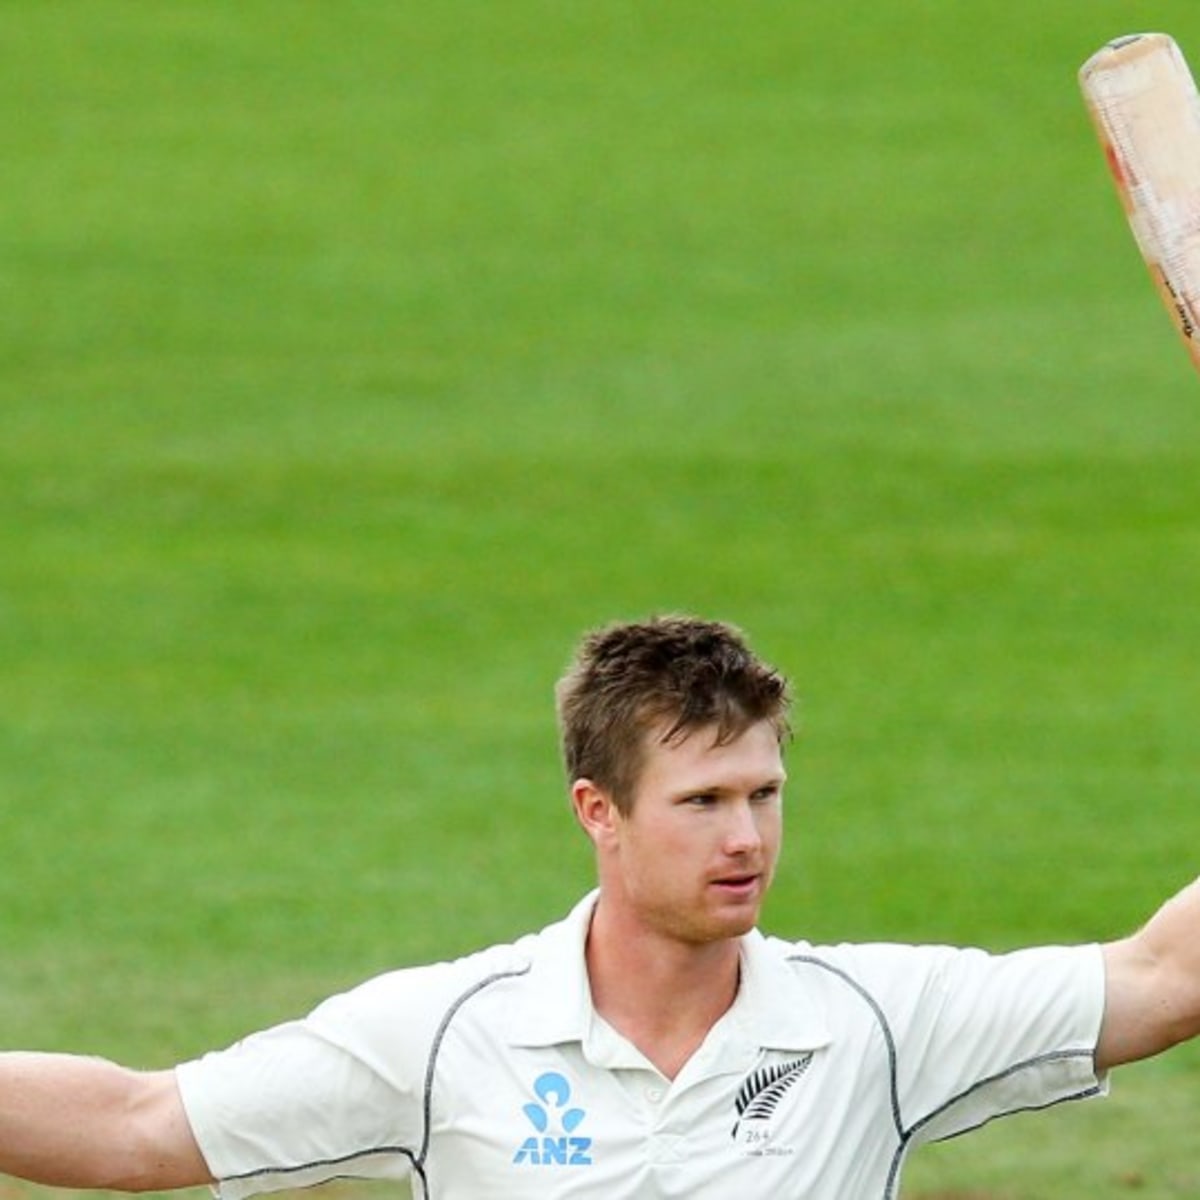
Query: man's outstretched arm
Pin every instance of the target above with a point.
(1152, 984)
(70, 1121)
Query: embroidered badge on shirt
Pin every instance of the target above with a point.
(757, 1100)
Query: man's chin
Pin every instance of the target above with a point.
(734, 920)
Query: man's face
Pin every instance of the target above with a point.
(695, 855)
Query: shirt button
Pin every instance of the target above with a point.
(654, 1095)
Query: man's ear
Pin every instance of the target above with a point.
(595, 811)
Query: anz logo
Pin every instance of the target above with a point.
(555, 1121)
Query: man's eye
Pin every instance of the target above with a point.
(766, 793)
(702, 799)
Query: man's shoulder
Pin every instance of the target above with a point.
(426, 995)
(878, 973)
(435, 986)
(851, 956)
(896, 976)
(405, 1010)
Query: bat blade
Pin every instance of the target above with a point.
(1146, 111)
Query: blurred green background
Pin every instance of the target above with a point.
(356, 357)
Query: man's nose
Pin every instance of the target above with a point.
(742, 834)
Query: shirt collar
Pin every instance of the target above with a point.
(771, 1011)
(772, 1006)
(558, 1004)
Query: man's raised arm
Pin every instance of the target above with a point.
(1152, 984)
(70, 1121)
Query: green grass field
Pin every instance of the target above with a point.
(356, 357)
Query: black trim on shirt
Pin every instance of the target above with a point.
(416, 1158)
(906, 1136)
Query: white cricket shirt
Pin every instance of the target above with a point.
(492, 1077)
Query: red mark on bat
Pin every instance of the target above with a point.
(1115, 165)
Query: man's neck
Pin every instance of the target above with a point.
(661, 994)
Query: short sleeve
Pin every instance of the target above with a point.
(978, 1036)
(340, 1094)
(287, 1109)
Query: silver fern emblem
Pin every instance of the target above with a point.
(760, 1094)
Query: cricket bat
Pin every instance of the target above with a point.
(1146, 110)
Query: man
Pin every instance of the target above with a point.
(653, 1044)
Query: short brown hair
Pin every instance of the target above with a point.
(680, 672)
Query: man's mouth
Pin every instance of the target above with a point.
(737, 885)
